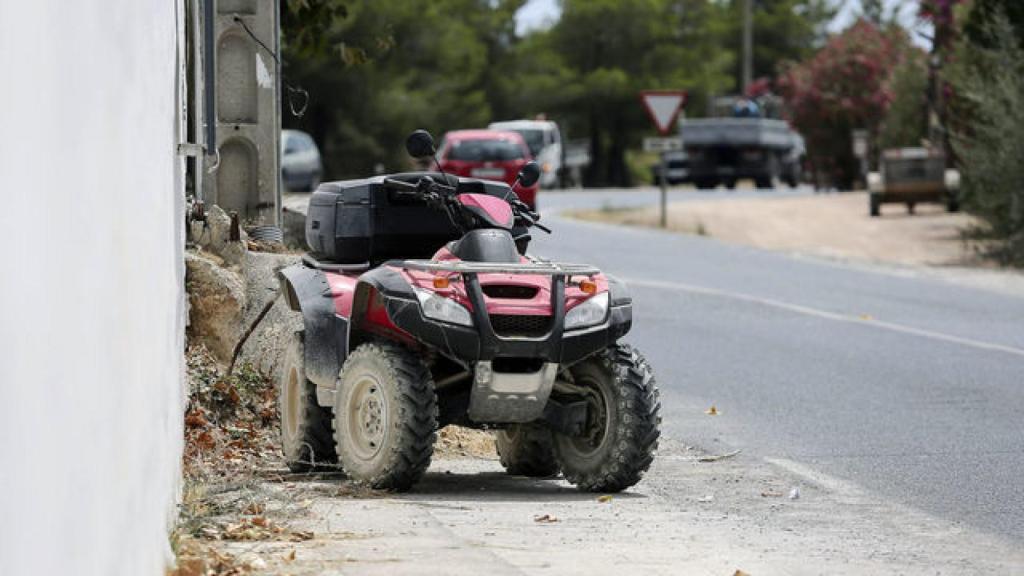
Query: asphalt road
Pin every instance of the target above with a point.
(908, 385)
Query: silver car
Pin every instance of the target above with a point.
(301, 167)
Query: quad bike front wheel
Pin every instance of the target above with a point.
(306, 437)
(385, 416)
(526, 450)
(623, 422)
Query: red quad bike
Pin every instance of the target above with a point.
(421, 309)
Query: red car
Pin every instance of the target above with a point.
(488, 155)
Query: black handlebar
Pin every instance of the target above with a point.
(440, 196)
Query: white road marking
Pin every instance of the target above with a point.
(817, 478)
(836, 317)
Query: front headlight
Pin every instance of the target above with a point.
(589, 313)
(444, 309)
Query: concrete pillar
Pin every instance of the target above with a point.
(246, 170)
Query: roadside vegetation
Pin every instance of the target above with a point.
(986, 85)
(242, 512)
(852, 83)
(235, 483)
(377, 70)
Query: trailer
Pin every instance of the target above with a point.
(911, 176)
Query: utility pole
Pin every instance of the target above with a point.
(243, 113)
(748, 44)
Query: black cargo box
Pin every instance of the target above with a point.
(357, 221)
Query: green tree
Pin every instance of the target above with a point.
(784, 31)
(604, 52)
(981, 26)
(906, 122)
(873, 11)
(987, 120)
(391, 66)
(377, 69)
(305, 24)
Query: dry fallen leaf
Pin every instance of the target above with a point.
(545, 519)
(290, 557)
(196, 419)
(190, 567)
(866, 317)
(712, 411)
(205, 441)
(770, 494)
(739, 572)
(605, 498)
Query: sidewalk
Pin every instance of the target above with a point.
(687, 517)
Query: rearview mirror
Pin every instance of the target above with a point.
(420, 144)
(529, 175)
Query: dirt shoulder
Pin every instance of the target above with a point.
(688, 517)
(829, 225)
(244, 513)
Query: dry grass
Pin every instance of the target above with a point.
(241, 508)
(236, 486)
(459, 442)
(830, 225)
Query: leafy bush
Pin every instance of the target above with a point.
(987, 134)
(845, 86)
(906, 123)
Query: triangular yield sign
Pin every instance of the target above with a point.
(663, 107)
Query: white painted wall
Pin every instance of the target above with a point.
(91, 286)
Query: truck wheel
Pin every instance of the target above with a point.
(306, 438)
(763, 183)
(875, 205)
(385, 416)
(910, 207)
(623, 424)
(952, 204)
(526, 450)
(793, 176)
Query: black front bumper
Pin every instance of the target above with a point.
(470, 344)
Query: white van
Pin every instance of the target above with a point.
(545, 143)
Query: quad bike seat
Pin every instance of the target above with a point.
(486, 245)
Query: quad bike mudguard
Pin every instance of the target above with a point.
(307, 290)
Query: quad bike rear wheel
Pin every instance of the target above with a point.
(526, 450)
(385, 416)
(306, 437)
(623, 422)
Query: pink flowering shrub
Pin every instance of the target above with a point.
(846, 86)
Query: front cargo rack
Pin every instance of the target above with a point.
(534, 267)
